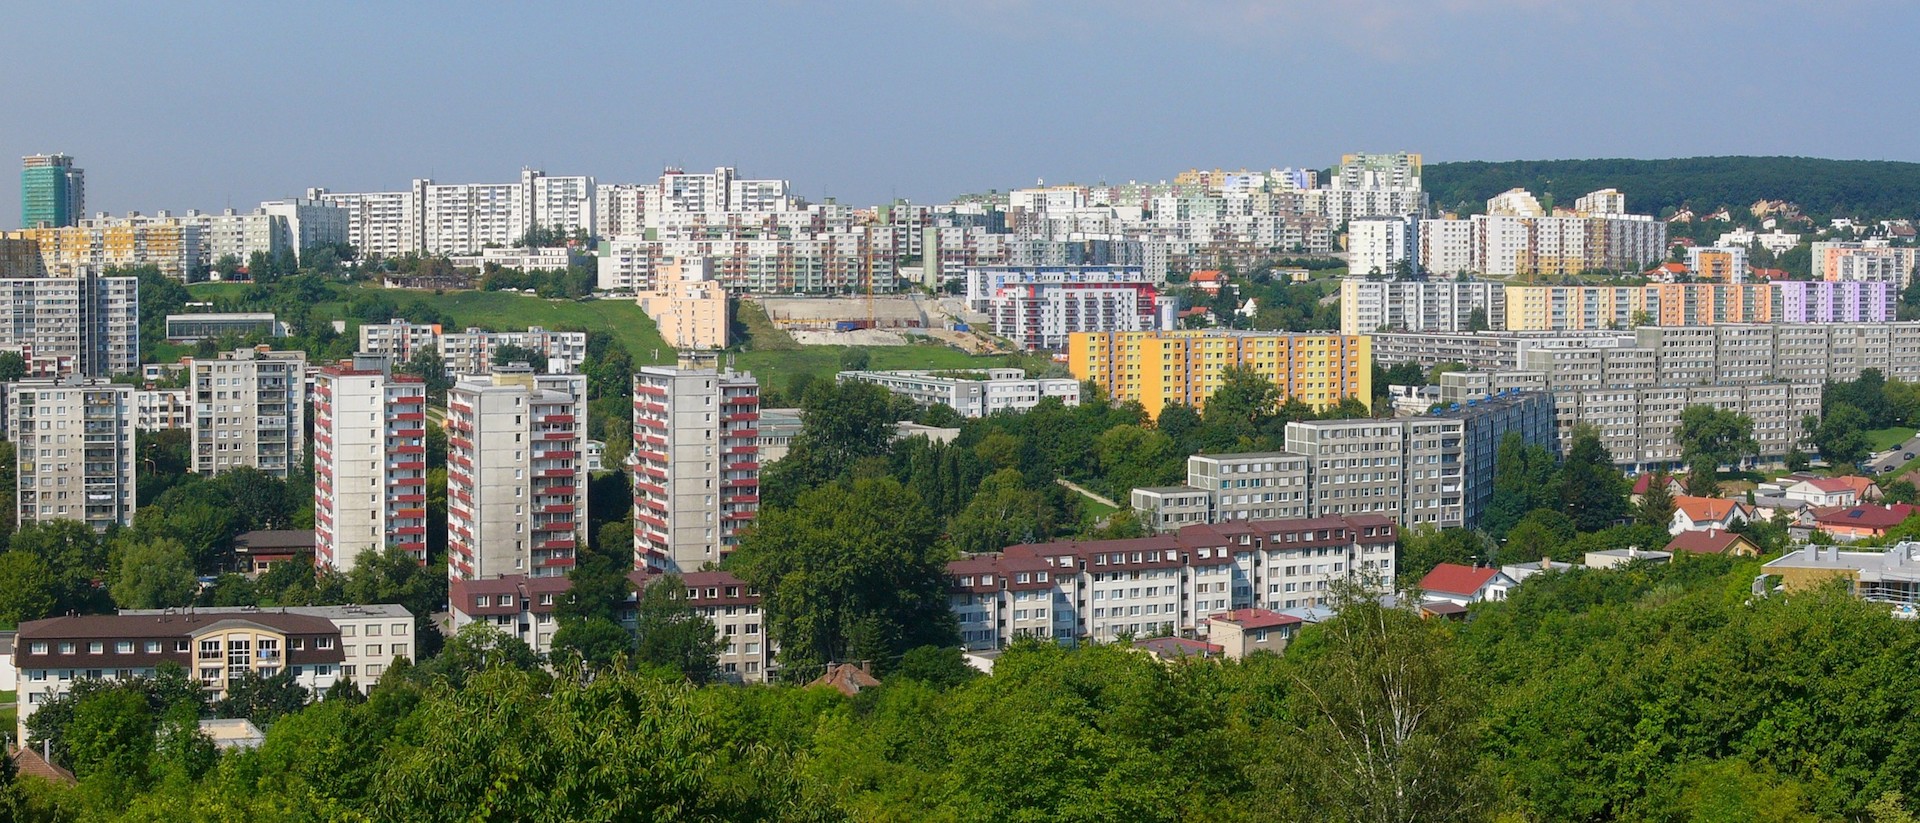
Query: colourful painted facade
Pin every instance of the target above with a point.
(1161, 367)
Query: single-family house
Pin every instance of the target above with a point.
(1676, 485)
(1455, 583)
(1615, 558)
(1713, 541)
(1171, 649)
(1693, 514)
(1208, 281)
(1827, 492)
(1850, 523)
(1242, 632)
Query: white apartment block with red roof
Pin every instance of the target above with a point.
(1102, 589)
(696, 464)
(369, 461)
(516, 500)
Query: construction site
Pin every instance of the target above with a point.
(879, 320)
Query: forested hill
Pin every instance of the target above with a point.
(1823, 188)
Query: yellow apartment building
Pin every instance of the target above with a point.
(1576, 308)
(1161, 367)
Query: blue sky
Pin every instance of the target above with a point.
(204, 105)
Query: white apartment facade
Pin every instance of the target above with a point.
(696, 464)
(471, 352)
(162, 409)
(972, 394)
(516, 494)
(87, 325)
(73, 442)
(369, 462)
(462, 218)
(1381, 245)
(1367, 306)
(1098, 590)
(249, 409)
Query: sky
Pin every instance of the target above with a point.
(214, 104)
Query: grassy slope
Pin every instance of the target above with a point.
(1883, 439)
(505, 311)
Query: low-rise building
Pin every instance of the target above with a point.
(1241, 632)
(1696, 514)
(1713, 541)
(193, 328)
(1464, 585)
(1074, 590)
(972, 394)
(1615, 558)
(317, 645)
(1890, 576)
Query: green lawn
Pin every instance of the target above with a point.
(1883, 439)
(505, 311)
(217, 291)
(778, 368)
(772, 361)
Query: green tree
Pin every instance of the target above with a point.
(1722, 436)
(152, 574)
(12, 366)
(1542, 533)
(508, 353)
(845, 423)
(1522, 481)
(1592, 492)
(262, 699)
(1424, 547)
(1842, 434)
(1002, 513)
(1238, 411)
(1386, 717)
(27, 588)
(76, 557)
(1132, 457)
(1657, 505)
(855, 358)
(853, 571)
(672, 634)
(477, 647)
(595, 641)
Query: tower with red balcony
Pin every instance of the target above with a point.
(516, 484)
(696, 463)
(369, 461)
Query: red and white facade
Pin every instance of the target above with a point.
(369, 461)
(516, 478)
(696, 464)
(1037, 307)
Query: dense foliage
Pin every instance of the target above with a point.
(1823, 188)
(1645, 693)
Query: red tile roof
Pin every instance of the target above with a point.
(1865, 517)
(847, 678)
(1453, 578)
(1642, 482)
(1711, 541)
(1255, 618)
(1206, 276)
(1706, 509)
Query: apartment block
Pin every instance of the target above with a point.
(688, 305)
(516, 496)
(526, 607)
(1160, 367)
(399, 339)
(1867, 260)
(1514, 239)
(1433, 469)
(176, 248)
(249, 409)
(53, 191)
(972, 394)
(161, 409)
(317, 646)
(1098, 590)
(369, 461)
(1037, 308)
(1381, 246)
(87, 325)
(462, 218)
(696, 464)
(1719, 264)
(1367, 305)
(471, 352)
(73, 442)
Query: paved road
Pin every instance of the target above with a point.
(1889, 460)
